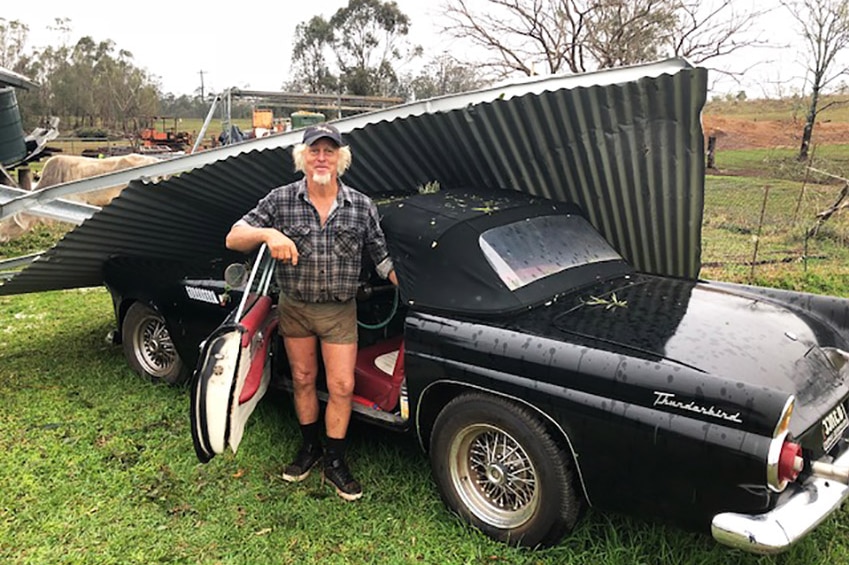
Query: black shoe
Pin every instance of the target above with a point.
(337, 473)
(299, 469)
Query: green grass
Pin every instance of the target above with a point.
(42, 236)
(781, 163)
(98, 467)
(760, 204)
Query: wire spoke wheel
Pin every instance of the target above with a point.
(148, 346)
(155, 349)
(498, 466)
(493, 476)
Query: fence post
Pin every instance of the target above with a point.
(758, 236)
(25, 178)
(711, 152)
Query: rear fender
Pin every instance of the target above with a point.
(437, 394)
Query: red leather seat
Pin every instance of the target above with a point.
(374, 381)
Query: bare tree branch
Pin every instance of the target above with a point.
(524, 36)
(530, 36)
(705, 30)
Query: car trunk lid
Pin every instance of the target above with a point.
(717, 332)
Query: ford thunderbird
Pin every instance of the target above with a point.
(539, 371)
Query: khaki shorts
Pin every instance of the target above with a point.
(332, 322)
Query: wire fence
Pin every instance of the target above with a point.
(775, 231)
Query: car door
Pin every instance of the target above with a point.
(234, 369)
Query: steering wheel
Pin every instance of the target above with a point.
(366, 291)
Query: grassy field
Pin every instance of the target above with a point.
(99, 468)
(75, 146)
(754, 231)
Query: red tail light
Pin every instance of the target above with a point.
(790, 462)
(784, 457)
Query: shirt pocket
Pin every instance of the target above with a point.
(301, 235)
(348, 242)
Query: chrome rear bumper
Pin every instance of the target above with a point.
(778, 529)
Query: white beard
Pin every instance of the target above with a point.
(321, 178)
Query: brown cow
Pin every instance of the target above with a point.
(66, 168)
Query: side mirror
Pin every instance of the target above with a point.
(235, 275)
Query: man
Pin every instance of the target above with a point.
(317, 228)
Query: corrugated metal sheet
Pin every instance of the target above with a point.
(533, 85)
(8, 77)
(625, 145)
(55, 209)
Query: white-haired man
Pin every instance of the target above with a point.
(317, 228)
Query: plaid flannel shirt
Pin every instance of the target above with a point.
(329, 257)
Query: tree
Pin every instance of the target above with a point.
(188, 106)
(706, 30)
(312, 73)
(89, 83)
(824, 25)
(623, 33)
(13, 37)
(443, 75)
(527, 36)
(365, 40)
(552, 36)
(123, 91)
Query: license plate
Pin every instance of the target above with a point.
(833, 426)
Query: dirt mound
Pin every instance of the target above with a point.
(740, 133)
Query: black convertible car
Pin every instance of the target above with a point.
(540, 372)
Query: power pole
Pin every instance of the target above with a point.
(201, 84)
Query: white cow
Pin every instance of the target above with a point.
(60, 169)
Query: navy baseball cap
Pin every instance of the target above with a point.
(316, 132)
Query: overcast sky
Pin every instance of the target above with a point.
(245, 44)
(248, 44)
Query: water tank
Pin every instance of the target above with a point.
(13, 148)
(302, 119)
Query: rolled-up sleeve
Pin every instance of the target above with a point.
(375, 242)
(385, 267)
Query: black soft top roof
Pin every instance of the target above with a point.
(434, 242)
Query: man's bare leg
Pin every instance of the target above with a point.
(339, 360)
(303, 362)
